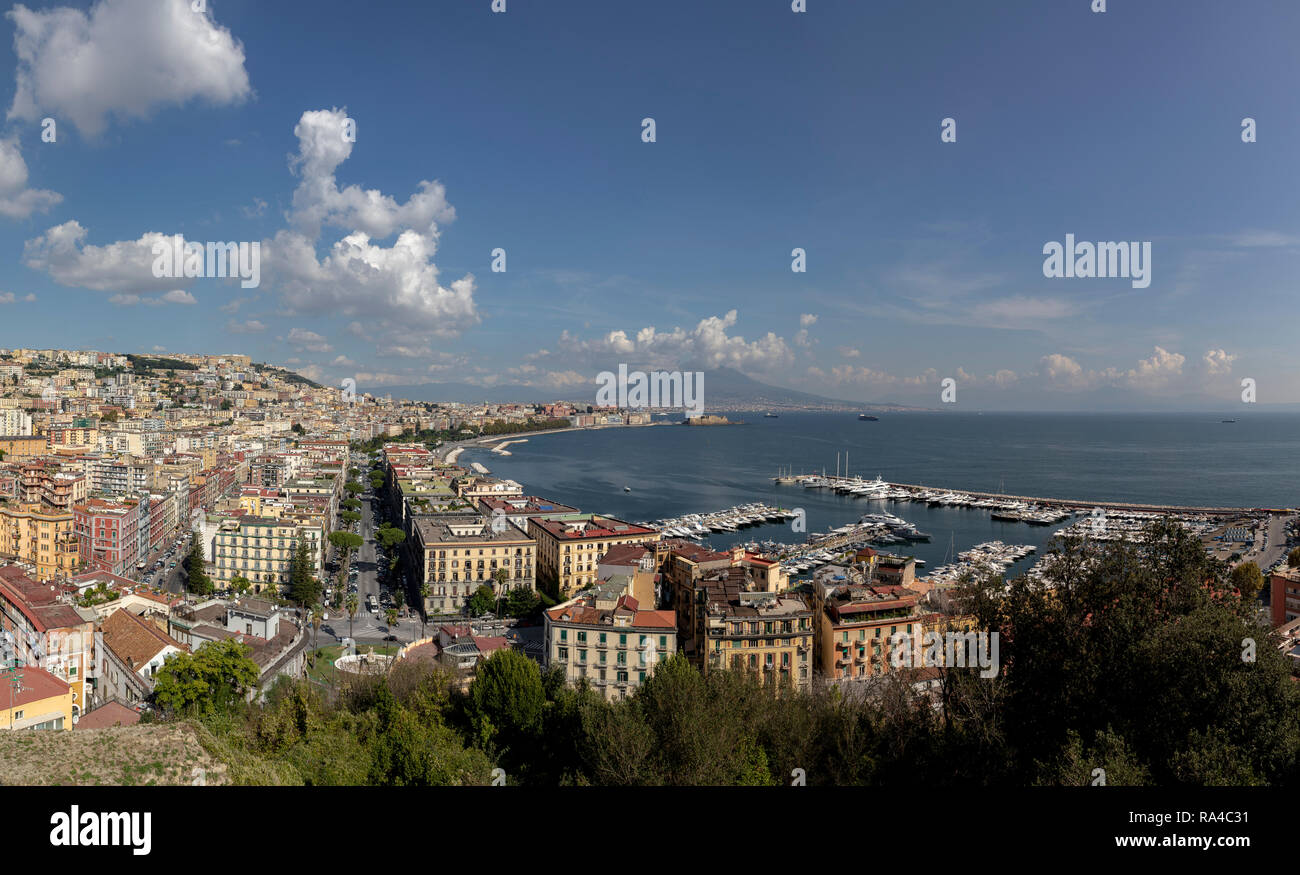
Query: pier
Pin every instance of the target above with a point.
(1044, 506)
(1076, 505)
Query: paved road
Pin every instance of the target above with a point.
(367, 626)
(1268, 551)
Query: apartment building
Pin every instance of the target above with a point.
(604, 637)
(458, 554)
(518, 508)
(43, 538)
(108, 534)
(260, 549)
(20, 448)
(856, 623)
(14, 422)
(38, 629)
(130, 651)
(750, 629)
(41, 702)
(570, 547)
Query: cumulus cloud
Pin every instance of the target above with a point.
(10, 297)
(807, 320)
(1218, 361)
(707, 345)
(395, 286)
(123, 58)
(126, 265)
(17, 201)
(176, 296)
(301, 340)
(250, 326)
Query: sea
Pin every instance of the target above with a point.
(670, 470)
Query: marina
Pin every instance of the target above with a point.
(1035, 510)
(696, 526)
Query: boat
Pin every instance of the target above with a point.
(627, 488)
(1227, 420)
(771, 416)
(862, 417)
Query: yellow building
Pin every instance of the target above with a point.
(260, 550)
(749, 629)
(570, 547)
(39, 701)
(43, 538)
(458, 554)
(605, 638)
(21, 448)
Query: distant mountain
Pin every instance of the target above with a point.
(724, 389)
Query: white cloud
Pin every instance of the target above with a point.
(302, 339)
(396, 287)
(807, 320)
(848, 352)
(125, 58)
(126, 265)
(17, 201)
(176, 296)
(10, 298)
(250, 326)
(1019, 311)
(707, 345)
(1218, 361)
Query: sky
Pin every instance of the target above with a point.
(773, 130)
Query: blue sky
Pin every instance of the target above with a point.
(775, 130)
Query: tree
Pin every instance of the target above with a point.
(315, 627)
(350, 516)
(391, 616)
(212, 678)
(521, 602)
(304, 588)
(345, 541)
(196, 575)
(482, 601)
(1292, 558)
(240, 584)
(424, 600)
(352, 603)
(353, 487)
(225, 404)
(1247, 579)
(506, 700)
(389, 537)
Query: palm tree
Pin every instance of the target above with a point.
(424, 599)
(315, 625)
(501, 575)
(351, 603)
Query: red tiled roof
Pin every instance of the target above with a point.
(487, 645)
(106, 715)
(37, 684)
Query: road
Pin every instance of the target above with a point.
(1270, 550)
(367, 626)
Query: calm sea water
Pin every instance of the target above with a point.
(1192, 459)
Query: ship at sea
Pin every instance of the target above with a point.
(862, 417)
(771, 416)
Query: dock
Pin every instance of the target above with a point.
(1044, 506)
(1077, 505)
